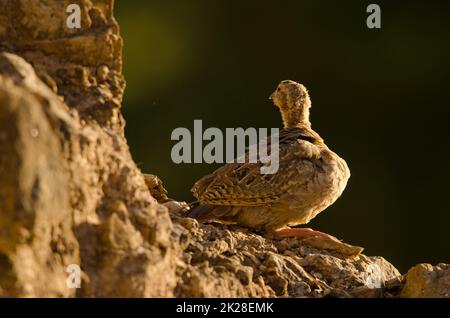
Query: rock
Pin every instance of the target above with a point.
(228, 261)
(156, 188)
(70, 192)
(73, 61)
(427, 281)
(36, 240)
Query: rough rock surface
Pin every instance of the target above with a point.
(70, 192)
(425, 280)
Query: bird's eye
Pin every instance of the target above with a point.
(278, 89)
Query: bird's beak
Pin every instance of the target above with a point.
(271, 97)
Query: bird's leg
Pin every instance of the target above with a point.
(318, 240)
(300, 233)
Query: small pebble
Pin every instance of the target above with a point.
(102, 73)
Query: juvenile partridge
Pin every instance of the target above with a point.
(310, 177)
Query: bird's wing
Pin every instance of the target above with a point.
(242, 184)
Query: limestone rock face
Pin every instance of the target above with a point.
(35, 218)
(427, 281)
(70, 192)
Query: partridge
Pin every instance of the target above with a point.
(310, 177)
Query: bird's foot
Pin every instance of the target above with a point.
(319, 240)
(301, 233)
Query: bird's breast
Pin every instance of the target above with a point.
(334, 177)
(325, 186)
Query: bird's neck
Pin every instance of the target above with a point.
(296, 118)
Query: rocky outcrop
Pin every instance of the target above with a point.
(224, 261)
(427, 281)
(70, 192)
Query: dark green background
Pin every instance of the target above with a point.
(380, 100)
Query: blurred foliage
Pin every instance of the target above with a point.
(380, 100)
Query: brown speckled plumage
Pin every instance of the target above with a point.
(310, 178)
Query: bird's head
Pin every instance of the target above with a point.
(294, 103)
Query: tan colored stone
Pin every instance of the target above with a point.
(427, 281)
